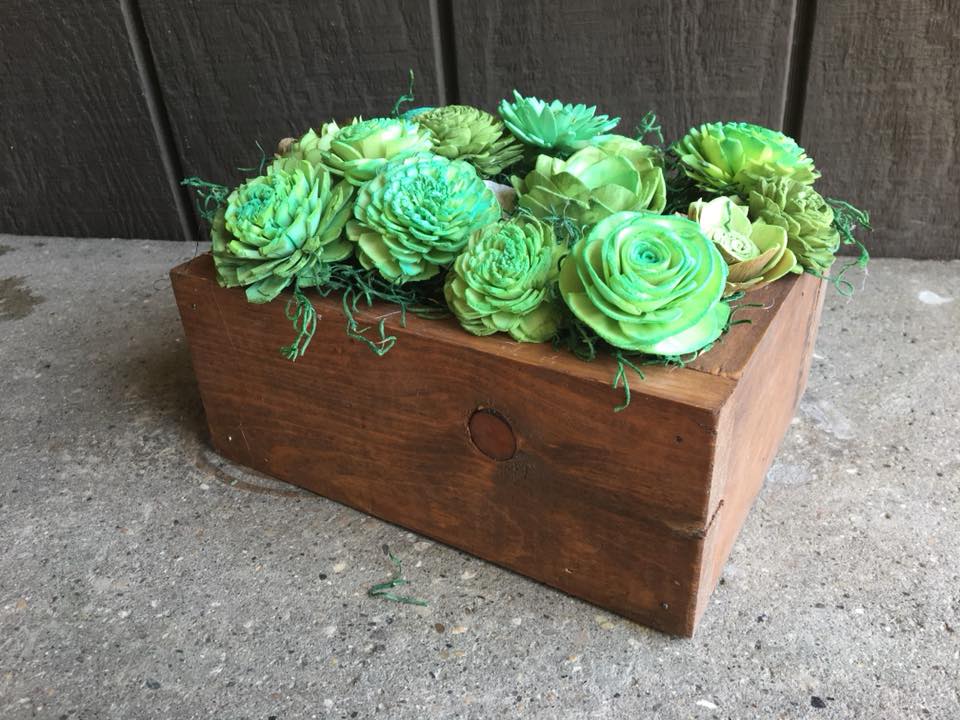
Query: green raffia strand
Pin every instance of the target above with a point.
(404, 99)
(382, 590)
(210, 196)
(649, 126)
(634, 361)
(301, 313)
(621, 377)
(262, 164)
(577, 337)
(846, 219)
(357, 285)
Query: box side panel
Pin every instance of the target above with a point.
(605, 506)
(755, 420)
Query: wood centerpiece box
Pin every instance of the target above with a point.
(512, 451)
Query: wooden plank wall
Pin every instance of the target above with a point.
(234, 73)
(688, 60)
(94, 141)
(80, 155)
(882, 118)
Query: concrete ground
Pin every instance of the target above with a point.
(140, 579)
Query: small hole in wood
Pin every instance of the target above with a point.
(679, 439)
(492, 434)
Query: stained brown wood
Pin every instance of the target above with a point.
(881, 119)
(692, 61)
(234, 74)
(80, 156)
(628, 510)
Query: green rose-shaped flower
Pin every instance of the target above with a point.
(554, 126)
(502, 281)
(416, 215)
(589, 186)
(461, 132)
(311, 146)
(279, 225)
(359, 150)
(804, 214)
(648, 283)
(756, 253)
(724, 156)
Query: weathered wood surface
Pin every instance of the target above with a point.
(234, 74)
(691, 61)
(754, 421)
(615, 508)
(80, 156)
(882, 118)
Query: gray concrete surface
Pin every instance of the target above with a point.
(140, 580)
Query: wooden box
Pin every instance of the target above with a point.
(512, 451)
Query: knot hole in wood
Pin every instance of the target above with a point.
(492, 434)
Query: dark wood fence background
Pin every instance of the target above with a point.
(106, 105)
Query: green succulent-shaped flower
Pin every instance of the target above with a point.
(804, 214)
(647, 283)
(279, 225)
(461, 132)
(416, 215)
(554, 126)
(726, 156)
(310, 147)
(503, 281)
(589, 186)
(756, 253)
(358, 151)
(634, 150)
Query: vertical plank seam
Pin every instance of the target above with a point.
(150, 86)
(444, 51)
(798, 67)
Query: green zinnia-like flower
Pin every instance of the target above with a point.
(725, 156)
(590, 186)
(756, 253)
(359, 150)
(554, 126)
(804, 214)
(502, 281)
(416, 215)
(461, 132)
(647, 283)
(278, 225)
(311, 146)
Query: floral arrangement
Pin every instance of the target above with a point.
(538, 222)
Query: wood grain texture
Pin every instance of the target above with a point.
(79, 152)
(754, 421)
(882, 119)
(691, 61)
(619, 509)
(234, 73)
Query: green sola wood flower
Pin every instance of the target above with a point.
(805, 216)
(359, 150)
(310, 146)
(647, 283)
(554, 125)
(279, 225)
(756, 253)
(461, 132)
(725, 156)
(503, 281)
(588, 186)
(416, 215)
